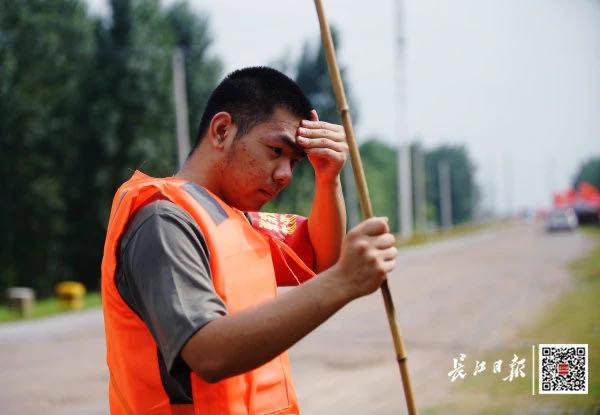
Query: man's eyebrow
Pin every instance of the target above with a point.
(287, 140)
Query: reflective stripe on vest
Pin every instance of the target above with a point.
(243, 276)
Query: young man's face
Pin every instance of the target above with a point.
(259, 164)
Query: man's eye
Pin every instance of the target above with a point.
(276, 150)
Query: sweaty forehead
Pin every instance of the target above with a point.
(278, 129)
(282, 127)
(284, 120)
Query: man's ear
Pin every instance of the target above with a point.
(221, 130)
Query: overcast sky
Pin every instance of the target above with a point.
(516, 81)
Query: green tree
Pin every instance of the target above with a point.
(380, 164)
(45, 50)
(128, 119)
(462, 172)
(589, 172)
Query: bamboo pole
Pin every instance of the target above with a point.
(363, 192)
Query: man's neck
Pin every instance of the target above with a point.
(198, 171)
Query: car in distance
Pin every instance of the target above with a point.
(563, 219)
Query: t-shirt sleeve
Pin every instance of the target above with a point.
(167, 272)
(288, 228)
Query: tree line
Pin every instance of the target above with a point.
(589, 171)
(86, 100)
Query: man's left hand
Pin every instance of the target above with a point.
(325, 146)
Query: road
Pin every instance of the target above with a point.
(464, 295)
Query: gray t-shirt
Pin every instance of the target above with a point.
(163, 274)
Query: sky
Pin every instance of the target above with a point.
(515, 81)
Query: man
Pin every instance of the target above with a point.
(193, 323)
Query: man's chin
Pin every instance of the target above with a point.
(250, 201)
(258, 205)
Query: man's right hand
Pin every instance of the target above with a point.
(244, 340)
(368, 254)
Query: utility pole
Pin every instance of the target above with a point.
(181, 109)
(551, 177)
(493, 188)
(420, 189)
(508, 182)
(445, 186)
(350, 196)
(404, 162)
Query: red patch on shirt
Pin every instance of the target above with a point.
(291, 230)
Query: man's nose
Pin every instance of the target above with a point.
(283, 173)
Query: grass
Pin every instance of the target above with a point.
(574, 318)
(47, 307)
(442, 234)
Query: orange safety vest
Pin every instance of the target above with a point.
(243, 274)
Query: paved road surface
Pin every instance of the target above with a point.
(465, 295)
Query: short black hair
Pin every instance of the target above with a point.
(251, 95)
